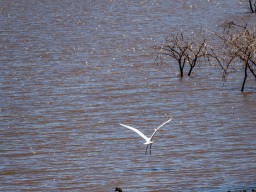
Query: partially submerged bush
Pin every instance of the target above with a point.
(182, 50)
(237, 51)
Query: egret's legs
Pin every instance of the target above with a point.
(149, 149)
(146, 150)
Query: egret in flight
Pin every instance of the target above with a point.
(149, 140)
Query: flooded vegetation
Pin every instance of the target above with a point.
(185, 52)
(252, 6)
(71, 71)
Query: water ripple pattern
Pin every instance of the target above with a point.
(71, 71)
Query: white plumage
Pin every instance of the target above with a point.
(149, 140)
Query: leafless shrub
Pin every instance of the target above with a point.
(181, 50)
(194, 53)
(234, 52)
(222, 59)
(239, 47)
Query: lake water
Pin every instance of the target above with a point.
(71, 71)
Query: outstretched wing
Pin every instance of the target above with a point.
(137, 131)
(159, 127)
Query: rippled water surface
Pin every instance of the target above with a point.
(71, 71)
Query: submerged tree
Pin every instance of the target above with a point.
(237, 51)
(181, 50)
(252, 6)
(194, 53)
(174, 47)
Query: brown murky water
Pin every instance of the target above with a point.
(71, 71)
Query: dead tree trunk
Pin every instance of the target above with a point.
(252, 6)
(245, 77)
(181, 66)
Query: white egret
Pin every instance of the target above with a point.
(149, 140)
